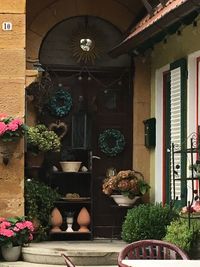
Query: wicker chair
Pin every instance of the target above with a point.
(151, 250)
(68, 262)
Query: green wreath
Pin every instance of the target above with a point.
(60, 104)
(111, 142)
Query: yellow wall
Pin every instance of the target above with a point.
(12, 81)
(176, 47)
(141, 112)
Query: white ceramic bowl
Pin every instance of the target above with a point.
(70, 166)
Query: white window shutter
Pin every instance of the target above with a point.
(175, 126)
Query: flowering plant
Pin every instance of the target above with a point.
(11, 128)
(129, 183)
(40, 138)
(15, 231)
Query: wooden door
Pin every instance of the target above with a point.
(108, 101)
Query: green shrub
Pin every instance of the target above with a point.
(179, 233)
(39, 201)
(147, 221)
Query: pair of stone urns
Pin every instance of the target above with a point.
(83, 220)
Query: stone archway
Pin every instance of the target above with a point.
(54, 13)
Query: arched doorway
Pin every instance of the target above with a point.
(75, 55)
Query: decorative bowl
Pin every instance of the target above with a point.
(70, 166)
(122, 200)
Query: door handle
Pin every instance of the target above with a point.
(95, 157)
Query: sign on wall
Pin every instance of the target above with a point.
(7, 26)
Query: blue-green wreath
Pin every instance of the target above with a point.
(60, 104)
(111, 142)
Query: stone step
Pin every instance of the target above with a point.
(28, 264)
(82, 253)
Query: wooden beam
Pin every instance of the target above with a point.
(163, 2)
(148, 7)
(134, 41)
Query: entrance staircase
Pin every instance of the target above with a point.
(83, 253)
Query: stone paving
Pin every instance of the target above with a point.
(101, 253)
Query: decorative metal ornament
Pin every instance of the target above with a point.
(86, 44)
(60, 128)
(111, 142)
(60, 104)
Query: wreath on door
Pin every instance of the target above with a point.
(60, 104)
(111, 142)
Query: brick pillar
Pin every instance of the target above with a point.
(12, 84)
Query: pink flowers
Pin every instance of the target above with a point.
(6, 232)
(15, 231)
(11, 128)
(25, 224)
(3, 128)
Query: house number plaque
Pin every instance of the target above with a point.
(7, 26)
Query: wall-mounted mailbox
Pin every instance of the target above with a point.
(150, 133)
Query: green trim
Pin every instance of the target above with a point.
(168, 141)
(182, 64)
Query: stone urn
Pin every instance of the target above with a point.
(56, 220)
(83, 220)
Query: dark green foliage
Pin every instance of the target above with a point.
(39, 201)
(179, 233)
(147, 221)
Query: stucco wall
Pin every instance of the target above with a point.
(12, 81)
(141, 112)
(177, 46)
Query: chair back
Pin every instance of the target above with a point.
(151, 249)
(68, 262)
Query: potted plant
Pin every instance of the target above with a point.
(39, 202)
(41, 140)
(14, 233)
(11, 129)
(127, 183)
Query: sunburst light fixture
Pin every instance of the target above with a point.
(86, 44)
